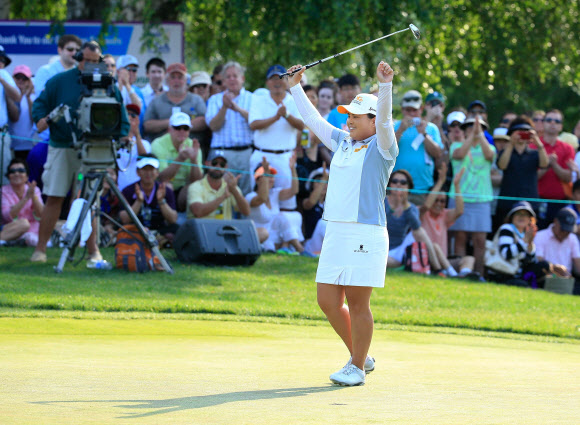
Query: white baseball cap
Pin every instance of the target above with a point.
(363, 103)
(143, 162)
(456, 116)
(180, 118)
(126, 60)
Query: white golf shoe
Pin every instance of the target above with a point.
(348, 376)
(369, 365)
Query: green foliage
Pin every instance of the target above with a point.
(517, 55)
(279, 287)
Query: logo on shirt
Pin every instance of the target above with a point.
(361, 250)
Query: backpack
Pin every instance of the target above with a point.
(417, 258)
(132, 253)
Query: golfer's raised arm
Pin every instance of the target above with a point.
(312, 118)
(384, 122)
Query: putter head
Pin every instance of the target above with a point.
(415, 31)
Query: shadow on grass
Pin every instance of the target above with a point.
(197, 402)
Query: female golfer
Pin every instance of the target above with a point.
(354, 253)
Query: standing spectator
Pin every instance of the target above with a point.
(227, 116)
(200, 84)
(538, 122)
(500, 140)
(127, 158)
(558, 243)
(506, 120)
(348, 88)
(68, 46)
(177, 99)
(419, 145)
(22, 201)
(435, 108)
(155, 71)
(476, 155)
(217, 195)
(151, 201)
(173, 150)
(127, 68)
(478, 108)
(23, 130)
(9, 95)
(217, 85)
(554, 182)
(111, 64)
(520, 165)
(326, 93)
(62, 164)
(277, 124)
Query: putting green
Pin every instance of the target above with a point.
(67, 371)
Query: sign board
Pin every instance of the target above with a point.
(29, 43)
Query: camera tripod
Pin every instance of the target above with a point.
(95, 159)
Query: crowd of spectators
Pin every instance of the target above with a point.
(204, 146)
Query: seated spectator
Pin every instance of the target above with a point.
(217, 195)
(173, 150)
(500, 140)
(265, 211)
(516, 242)
(403, 223)
(520, 165)
(475, 155)
(313, 207)
(558, 243)
(128, 157)
(23, 130)
(151, 201)
(436, 219)
(111, 206)
(22, 202)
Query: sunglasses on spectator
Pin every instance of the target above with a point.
(477, 111)
(397, 181)
(21, 77)
(133, 115)
(454, 124)
(434, 103)
(411, 99)
(505, 121)
(181, 128)
(132, 69)
(557, 121)
(537, 119)
(73, 49)
(220, 164)
(17, 170)
(200, 86)
(219, 83)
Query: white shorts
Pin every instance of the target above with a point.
(353, 254)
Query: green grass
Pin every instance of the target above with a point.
(277, 287)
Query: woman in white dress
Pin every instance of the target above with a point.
(353, 259)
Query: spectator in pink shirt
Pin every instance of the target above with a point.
(22, 201)
(558, 244)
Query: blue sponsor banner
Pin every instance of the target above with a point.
(33, 38)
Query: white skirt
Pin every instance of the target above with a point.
(353, 254)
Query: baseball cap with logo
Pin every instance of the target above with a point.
(567, 218)
(363, 103)
(217, 154)
(275, 70)
(180, 118)
(412, 99)
(126, 60)
(437, 96)
(24, 70)
(177, 67)
(456, 116)
(143, 162)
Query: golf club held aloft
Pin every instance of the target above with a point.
(413, 28)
